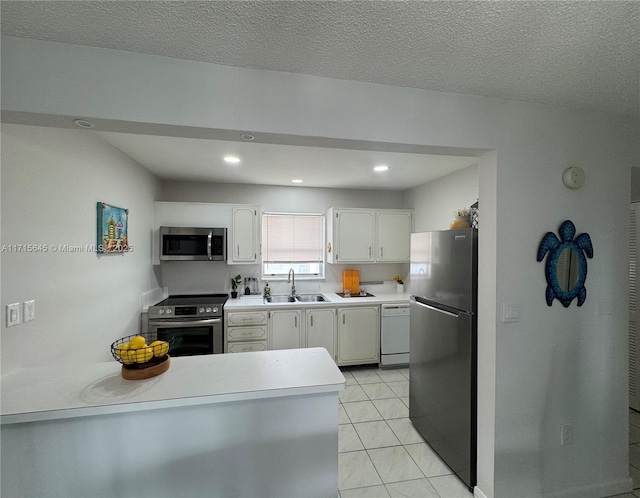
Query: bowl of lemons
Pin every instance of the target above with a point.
(142, 355)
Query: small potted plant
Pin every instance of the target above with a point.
(235, 281)
(462, 218)
(399, 283)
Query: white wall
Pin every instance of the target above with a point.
(435, 202)
(555, 365)
(51, 182)
(180, 277)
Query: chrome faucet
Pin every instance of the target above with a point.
(292, 278)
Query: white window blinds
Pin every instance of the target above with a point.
(292, 240)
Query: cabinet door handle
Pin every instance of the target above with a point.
(369, 251)
(382, 252)
(295, 321)
(238, 250)
(343, 317)
(312, 320)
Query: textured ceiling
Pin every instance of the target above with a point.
(583, 54)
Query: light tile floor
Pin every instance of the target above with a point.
(634, 453)
(380, 454)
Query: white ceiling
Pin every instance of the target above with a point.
(269, 164)
(581, 54)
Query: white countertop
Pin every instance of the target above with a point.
(49, 393)
(333, 299)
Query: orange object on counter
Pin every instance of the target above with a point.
(351, 281)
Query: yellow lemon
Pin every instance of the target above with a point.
(128, 357)
(160, 348)
(121, 350)
(137, 342)
(144, 354)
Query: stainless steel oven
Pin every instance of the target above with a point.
(195, 322)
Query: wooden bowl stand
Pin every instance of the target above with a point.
(146, 373)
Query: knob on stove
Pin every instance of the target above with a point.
(160, 312)
(208, 309)
(169, 311)
(201, 310)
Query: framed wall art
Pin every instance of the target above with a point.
(112, 229)
(566, 266)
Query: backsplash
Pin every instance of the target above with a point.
(201, 277)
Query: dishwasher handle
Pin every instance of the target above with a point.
(395, 309)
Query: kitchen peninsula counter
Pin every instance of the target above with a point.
(209, 426)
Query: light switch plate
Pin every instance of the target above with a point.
(29, 310)
(13, 314)
(510, 312)
(605, 308)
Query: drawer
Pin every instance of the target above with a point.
(246, 333)
(242, 347)
(247, 318)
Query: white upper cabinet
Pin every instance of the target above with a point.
(242, 224)
(353, 235)
(368, 235)
(243, 246)
(393, 236)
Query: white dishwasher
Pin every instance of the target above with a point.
(394, 340)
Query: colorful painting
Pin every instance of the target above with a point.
(112, 229)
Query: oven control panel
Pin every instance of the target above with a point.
(184, 311)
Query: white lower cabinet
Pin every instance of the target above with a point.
(243, 347)
(320, 325)
(285, 329)
(246, 331)
(358, 335)
(350, 334)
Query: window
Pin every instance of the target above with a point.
(292, 240)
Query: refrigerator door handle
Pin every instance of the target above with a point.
(433, 308)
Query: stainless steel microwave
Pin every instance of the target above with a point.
(193, 244)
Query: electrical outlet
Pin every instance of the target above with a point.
(566, 434)
(13, 314)
(29, 310)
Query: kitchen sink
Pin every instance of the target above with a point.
(280, 299)
(300, 298)
(310, 298)
(366, 294)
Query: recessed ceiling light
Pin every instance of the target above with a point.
(381, 167)
(297, 180)
(231, 159)
(247, 136)
(83, 123)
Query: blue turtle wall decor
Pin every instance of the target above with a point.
(566, 266)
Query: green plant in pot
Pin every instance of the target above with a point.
(235, 281)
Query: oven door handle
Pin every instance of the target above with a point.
(209, 237)
(185, 323)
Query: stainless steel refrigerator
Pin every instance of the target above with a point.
(443, 344)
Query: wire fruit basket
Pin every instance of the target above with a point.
(142, 355)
